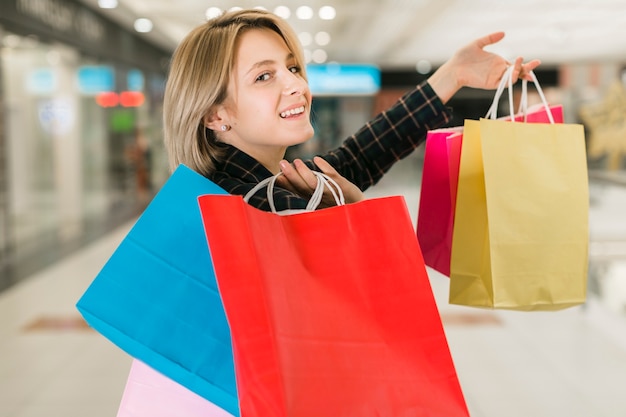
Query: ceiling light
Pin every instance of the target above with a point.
(107, 4)
(282, 11)
(213, 12)
(143, 25)
(423, 66)
(304, 13)
(319, 56)
(322, 38)
(327, 13)
(305, 38)
(235, 9)
(307, 55)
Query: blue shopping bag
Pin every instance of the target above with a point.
(157, 298)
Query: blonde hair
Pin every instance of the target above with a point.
(198, 79)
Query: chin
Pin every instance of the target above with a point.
(302, 137)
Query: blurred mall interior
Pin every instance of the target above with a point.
(81, 155)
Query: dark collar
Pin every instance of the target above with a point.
(238, 164)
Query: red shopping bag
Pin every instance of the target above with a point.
(331, 311)
(440, 174)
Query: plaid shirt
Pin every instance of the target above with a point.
(363, 158)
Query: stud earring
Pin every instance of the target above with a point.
(225, 128)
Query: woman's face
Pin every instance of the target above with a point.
(269, 102)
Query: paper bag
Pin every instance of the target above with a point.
(331, 311)
(435, 217)
(520, 237)
(149, 393)
(157, 298)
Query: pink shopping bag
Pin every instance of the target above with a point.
(149, 393)
(435, 218)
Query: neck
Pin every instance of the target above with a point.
(268, 156)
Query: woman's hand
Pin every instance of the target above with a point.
(472, 66)
(298, 178)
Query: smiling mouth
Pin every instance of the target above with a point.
(292, 112)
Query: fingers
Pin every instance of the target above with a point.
(301, 176)
(325, 167)
(489, 39)
(351, 192)
(297, 176)
(305, 173)
(329, 170)
(517, 69)
(522, 70)
(527, 68)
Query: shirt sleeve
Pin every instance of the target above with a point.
(366, 156)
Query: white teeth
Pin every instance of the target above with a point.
(291, 112)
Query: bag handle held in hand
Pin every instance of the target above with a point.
(507, 79)
(492, 113)
(323, 180)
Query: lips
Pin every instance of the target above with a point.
(292, 112)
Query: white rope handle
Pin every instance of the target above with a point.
(543, 98)
(523, 101)
(323, 181)
(507, 79)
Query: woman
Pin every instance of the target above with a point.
(237, 97)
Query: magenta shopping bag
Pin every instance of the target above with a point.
(435, 218)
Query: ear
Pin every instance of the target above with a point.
(214, 119)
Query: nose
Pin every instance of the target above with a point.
(294, 84)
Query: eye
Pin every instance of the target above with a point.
(295, 69)
(263, 77)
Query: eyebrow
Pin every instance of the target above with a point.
(256, 65)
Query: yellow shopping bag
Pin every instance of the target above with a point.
(520, 236)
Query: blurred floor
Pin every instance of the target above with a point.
(567, 363)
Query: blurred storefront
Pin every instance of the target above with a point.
(80, 118)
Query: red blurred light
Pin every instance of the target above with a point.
(107, 99)
(132, 98)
